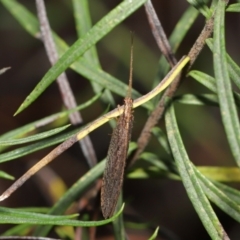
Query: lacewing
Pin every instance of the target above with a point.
(117, 153)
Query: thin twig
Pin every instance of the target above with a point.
(157, 114)
(159, 34)
(200, 42)
(62, 81)
(92, 126)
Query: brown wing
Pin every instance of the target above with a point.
(116, 158)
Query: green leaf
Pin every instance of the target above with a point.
(118, 224)
(154, 161)
(10, 216)
(229, 191)
(159, 167)
(6, 175)
(20, 213)
(182, 28)
(218, 197)
(199, 99)
(235, 7)
(225, 94)
(23, 151)
(28, 128)
(116, 16)
(83, 25)
(233, 68)
(151, 173)
(72, 194)
(221, 174)
(20, 230)
(162, 139)
(210, 83)
(201, 6)
(34, 137)
(76, 191)
(189, 179)
(81, 66)
(205, 79)
(154, 236)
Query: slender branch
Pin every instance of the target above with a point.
(159, 34)
(200, 42)
(62, 81)
(92, 126)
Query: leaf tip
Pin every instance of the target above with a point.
(20, 109)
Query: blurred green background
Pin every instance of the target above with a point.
(161, 201)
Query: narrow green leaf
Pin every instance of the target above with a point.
(6, 175)
(116, 16)
(210, 83)
(159, 168)
(229, 191)
(182, 27)
(118, 224)
(221, 174)
(35, 137)
(154, 161)
(224, 197)
(28, 128)
(34, 209)
(10, 216)
(27, 20)
(81, 66)
(225, 94)
(72, 194)
(199, 99)
(23, 151)
(152, 173)
(20, 230)
(83, 25)
(233, 68)
(235, 7)
(21, 213)
(189, 179)
(205, 79)
(154, 236)
(201, 6)
(218, 197)
(162, 139)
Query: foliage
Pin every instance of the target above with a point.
(203, 184)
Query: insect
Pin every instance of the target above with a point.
(117, 154)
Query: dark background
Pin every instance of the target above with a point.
(162, 202)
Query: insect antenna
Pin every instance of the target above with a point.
(129, 92)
